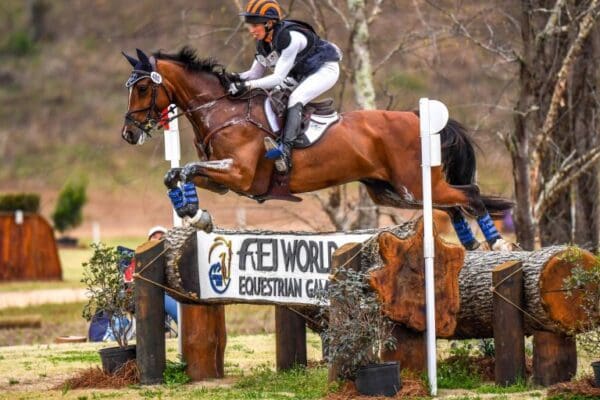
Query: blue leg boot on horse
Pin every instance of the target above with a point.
(186, 205)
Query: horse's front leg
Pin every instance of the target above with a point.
(185, 199)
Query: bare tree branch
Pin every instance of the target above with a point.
(375, 12)
(587, 23)
(552, 23)
(567, 174)
(340, 14)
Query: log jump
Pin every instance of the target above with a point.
(285, 269)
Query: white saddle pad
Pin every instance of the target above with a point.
(317, 126)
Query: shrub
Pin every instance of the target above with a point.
(360, 331)
(27, 202)
(106, 290)
(68, 212)
(19, 43)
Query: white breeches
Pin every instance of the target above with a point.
(316, 84)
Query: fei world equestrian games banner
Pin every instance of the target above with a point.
(278, 268)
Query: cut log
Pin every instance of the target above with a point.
(400, 283)
(546, 305)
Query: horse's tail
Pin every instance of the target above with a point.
(459, 165)
(458, 154)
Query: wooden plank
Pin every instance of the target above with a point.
(554, 358)
(203, 340)
(411, 349)
(150, 312)
(345, 256)
(203, 331)
(509, 336)
(290, 339)
(23, 321)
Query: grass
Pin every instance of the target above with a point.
(28, 372)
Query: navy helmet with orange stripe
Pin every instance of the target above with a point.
(261, 11)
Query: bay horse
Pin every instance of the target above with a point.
(381, 149)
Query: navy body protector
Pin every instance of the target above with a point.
(308, 61)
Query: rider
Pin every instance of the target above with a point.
(291, 49)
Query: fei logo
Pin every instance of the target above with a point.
(219, 273)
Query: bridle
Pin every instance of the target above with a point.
(154, 117)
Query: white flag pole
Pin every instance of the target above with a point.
(173, 154)
(433, 118)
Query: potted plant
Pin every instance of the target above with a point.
(584, 282)
(357, 333)
(107, 293)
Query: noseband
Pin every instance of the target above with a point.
(154, 116)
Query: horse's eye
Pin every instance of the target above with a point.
(142, 89)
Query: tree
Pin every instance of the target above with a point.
(68, 212)
(554, 142)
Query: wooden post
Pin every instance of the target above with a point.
(345, 254)
(410, 352)
(150, 312)
(554, 358)
(203, 336)
(507, 279)
(290, 338)
(203, 331)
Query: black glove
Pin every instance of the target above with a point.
(237, 89)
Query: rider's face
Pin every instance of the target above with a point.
(257, 31)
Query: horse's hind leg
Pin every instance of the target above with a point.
(462, 229)
(477, 208)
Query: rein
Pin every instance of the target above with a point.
(155, 117)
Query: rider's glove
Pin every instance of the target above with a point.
(237, 88)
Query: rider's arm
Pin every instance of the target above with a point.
(284, 65)
(256, 71)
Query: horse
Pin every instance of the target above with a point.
(381, 149)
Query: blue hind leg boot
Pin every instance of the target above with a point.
(464, 233)
(488, 228)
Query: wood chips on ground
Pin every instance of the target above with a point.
(583, 387)
(96, 378)
(411, 387)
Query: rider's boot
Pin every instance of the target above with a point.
(282, 152)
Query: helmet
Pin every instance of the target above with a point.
(260, 11)
(156, 229)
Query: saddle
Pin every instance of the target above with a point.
(317, 116)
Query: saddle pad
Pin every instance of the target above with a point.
(313, 130)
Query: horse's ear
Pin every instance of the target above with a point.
(143, 57)
(131, 60)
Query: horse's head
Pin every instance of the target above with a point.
(148, 97)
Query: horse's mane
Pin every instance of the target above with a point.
(189, 58)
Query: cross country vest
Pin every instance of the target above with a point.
(308, 61)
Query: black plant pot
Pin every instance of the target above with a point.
(596, 368)
(113, 358)
(379, 379)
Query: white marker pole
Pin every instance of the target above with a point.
(433, 118)
(173, 154)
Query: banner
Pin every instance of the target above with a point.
(279, 268)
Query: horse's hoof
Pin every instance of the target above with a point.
(201, 221)
(503, 245)
(188, 210)
(172, 177)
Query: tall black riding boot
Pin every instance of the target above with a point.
(291, 130)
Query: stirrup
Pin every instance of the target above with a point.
(273, 149)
